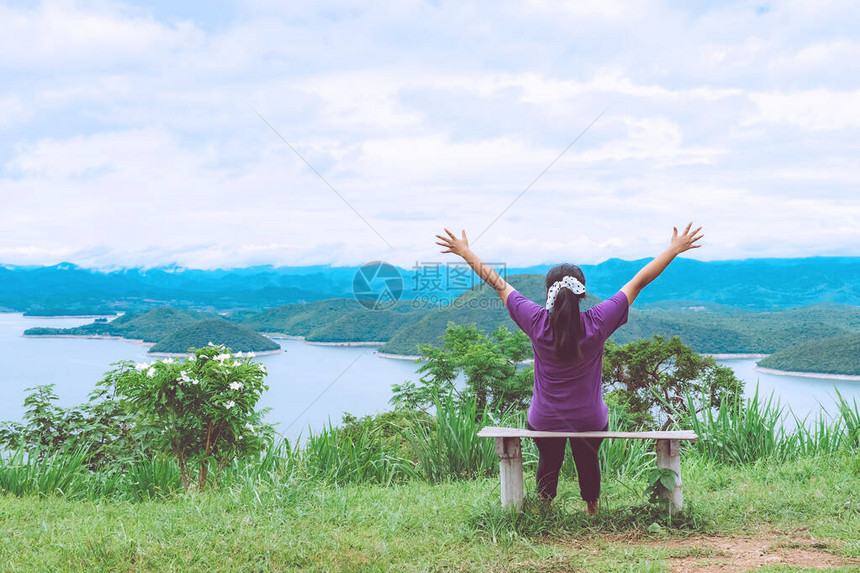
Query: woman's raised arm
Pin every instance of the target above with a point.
(680, 243)
(487, 273)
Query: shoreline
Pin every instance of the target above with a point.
(137, 341)
(738, 356)
(281, 335)
(845, 377)
(187, 354)
(413, 358)
(345, 344)
(397, 356)
(58, 316)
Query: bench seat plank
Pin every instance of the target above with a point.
(497, 432)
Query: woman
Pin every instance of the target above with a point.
(568, 351)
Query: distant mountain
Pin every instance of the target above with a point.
(759, 284)
(754, 284)
(837, 355)
(706, 327)
(68, 289)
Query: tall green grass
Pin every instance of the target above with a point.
(339, 457)
(625, 458)
(738, 431)
(451, 448)
(441, 448)
(744, 431)
(23, 473)
(850, 414)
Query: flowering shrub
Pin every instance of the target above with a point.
(201, 408)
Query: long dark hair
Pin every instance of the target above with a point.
(564, 316)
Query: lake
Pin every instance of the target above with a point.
(308, 384)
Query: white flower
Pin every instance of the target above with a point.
(222, 357)
(195, 381)
(168, 360)
(151, 372)
(236, 385)
(236, 363)
(229, 404)
(210, 343)
(250, 354)
(250, 427)
(141, 366)
(262, 369)
(192, 358)
(239, 354)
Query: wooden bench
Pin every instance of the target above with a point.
(509, 448)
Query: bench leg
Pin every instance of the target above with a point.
(511, 471)
(669, 456)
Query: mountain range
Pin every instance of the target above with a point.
(751, 284)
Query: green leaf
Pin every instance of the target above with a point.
(668, 481)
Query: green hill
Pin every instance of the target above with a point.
(171, 330)
(150, 326)
(366, 326)
(481, 307)
(750, 332)
(837, 355)
(707, 328)
(217, 331)
(302, 319)
(711, 331)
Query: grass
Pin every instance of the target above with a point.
(417, 526)
(375, 497)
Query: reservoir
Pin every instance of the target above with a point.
(308, 384)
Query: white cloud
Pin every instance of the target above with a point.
(13, 110)
(131, 137)
(818, 109)
(59, 33)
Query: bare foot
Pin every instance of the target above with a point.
(591, 507)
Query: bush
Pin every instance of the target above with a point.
(199, 410)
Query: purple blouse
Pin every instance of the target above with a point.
(568, 396)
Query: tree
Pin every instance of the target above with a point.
(491, 366)
(654, 375)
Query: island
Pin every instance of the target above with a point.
(820, 338)
(706, 327)
(839, 355)
(170, 331)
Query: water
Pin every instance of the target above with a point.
(805, 395)
(308, 385)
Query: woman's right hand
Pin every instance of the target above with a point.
(686, 240)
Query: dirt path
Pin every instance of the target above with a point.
(749, 552)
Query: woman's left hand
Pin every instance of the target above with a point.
(454, 245)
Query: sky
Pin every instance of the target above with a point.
(214, 134)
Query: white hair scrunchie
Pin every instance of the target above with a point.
(567, 282)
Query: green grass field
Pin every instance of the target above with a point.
(283, 524)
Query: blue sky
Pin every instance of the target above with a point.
(130, 134)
